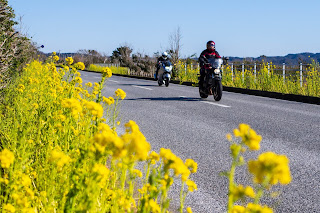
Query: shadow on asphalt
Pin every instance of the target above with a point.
(165, 99)
(141, 85)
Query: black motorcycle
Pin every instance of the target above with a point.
(212, 80)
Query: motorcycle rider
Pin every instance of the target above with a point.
(210, 52)
(163, 57)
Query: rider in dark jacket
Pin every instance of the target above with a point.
(210, 52)
(163, 57)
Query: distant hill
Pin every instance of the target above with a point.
(290, 59)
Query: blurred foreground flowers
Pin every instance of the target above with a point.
(60, 151)
(269, 169)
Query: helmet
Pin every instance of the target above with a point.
(165, 55)
(211, 43)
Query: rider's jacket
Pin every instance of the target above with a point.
(206, 54)
(161, 59)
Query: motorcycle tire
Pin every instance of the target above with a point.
(160, 83)
(217, 92)
(202, 94)
(166, 82)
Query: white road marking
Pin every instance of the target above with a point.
(142, 87)
(113, 81)
(221, 105)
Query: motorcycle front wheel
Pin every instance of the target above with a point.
(166, 82)
(160, 83)
(217, 92)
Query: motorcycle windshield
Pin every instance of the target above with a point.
(215, 62)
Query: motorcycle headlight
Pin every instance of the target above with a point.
(216, 71)
(168, 69)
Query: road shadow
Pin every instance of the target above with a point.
(141, 85)
(165, 99)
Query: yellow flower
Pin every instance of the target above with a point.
(189, 210)
(238, 209)
(95, 108)
(9, 208)
(106, 72)
(137, 172)
(154, 206)
(238, 192)
(6, 158)
(153, 157)
(257, 208)
(78, 80)
(54, 53)
(249, 136)
(229, 137)
(108, 101)
(120, 93)
(102, 174)
(35, 106)
(69, 60)
(59, 158)
(89, 84)
(79, 66)
(192, 165)
(191, 185)
(56, 58)
(272, 166)
(73, 104)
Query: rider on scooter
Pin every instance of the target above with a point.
(163, 57)
(210, 52)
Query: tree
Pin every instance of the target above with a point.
(15, 49)
(122, 55)
(175, 45)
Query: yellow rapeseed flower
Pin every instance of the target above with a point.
(106, 72)
(56, 58)
(137, 172)
(78, 80)
(189, 210)
(69, 60)
(59, 158)
(89, 84)
(153, 157)
(191, 185)
(95, 108)
(257, 208)
(238, 209)
(108, 101)
(192, 165)
(120, 93)
(249, 136)
(272, 166)
(79, 66)
(9, 208)
(6, 158)
(238, 192)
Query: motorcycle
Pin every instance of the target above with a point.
(164, 73)
(212, 80)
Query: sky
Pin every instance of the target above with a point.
(240, 28)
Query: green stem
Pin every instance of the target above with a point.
(181, 198)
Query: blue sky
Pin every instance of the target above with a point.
(242, 28)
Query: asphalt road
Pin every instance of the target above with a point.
(175, 117)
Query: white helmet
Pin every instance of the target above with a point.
(165, 55)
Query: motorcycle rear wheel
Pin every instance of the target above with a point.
(217, 93)
(202, 94)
